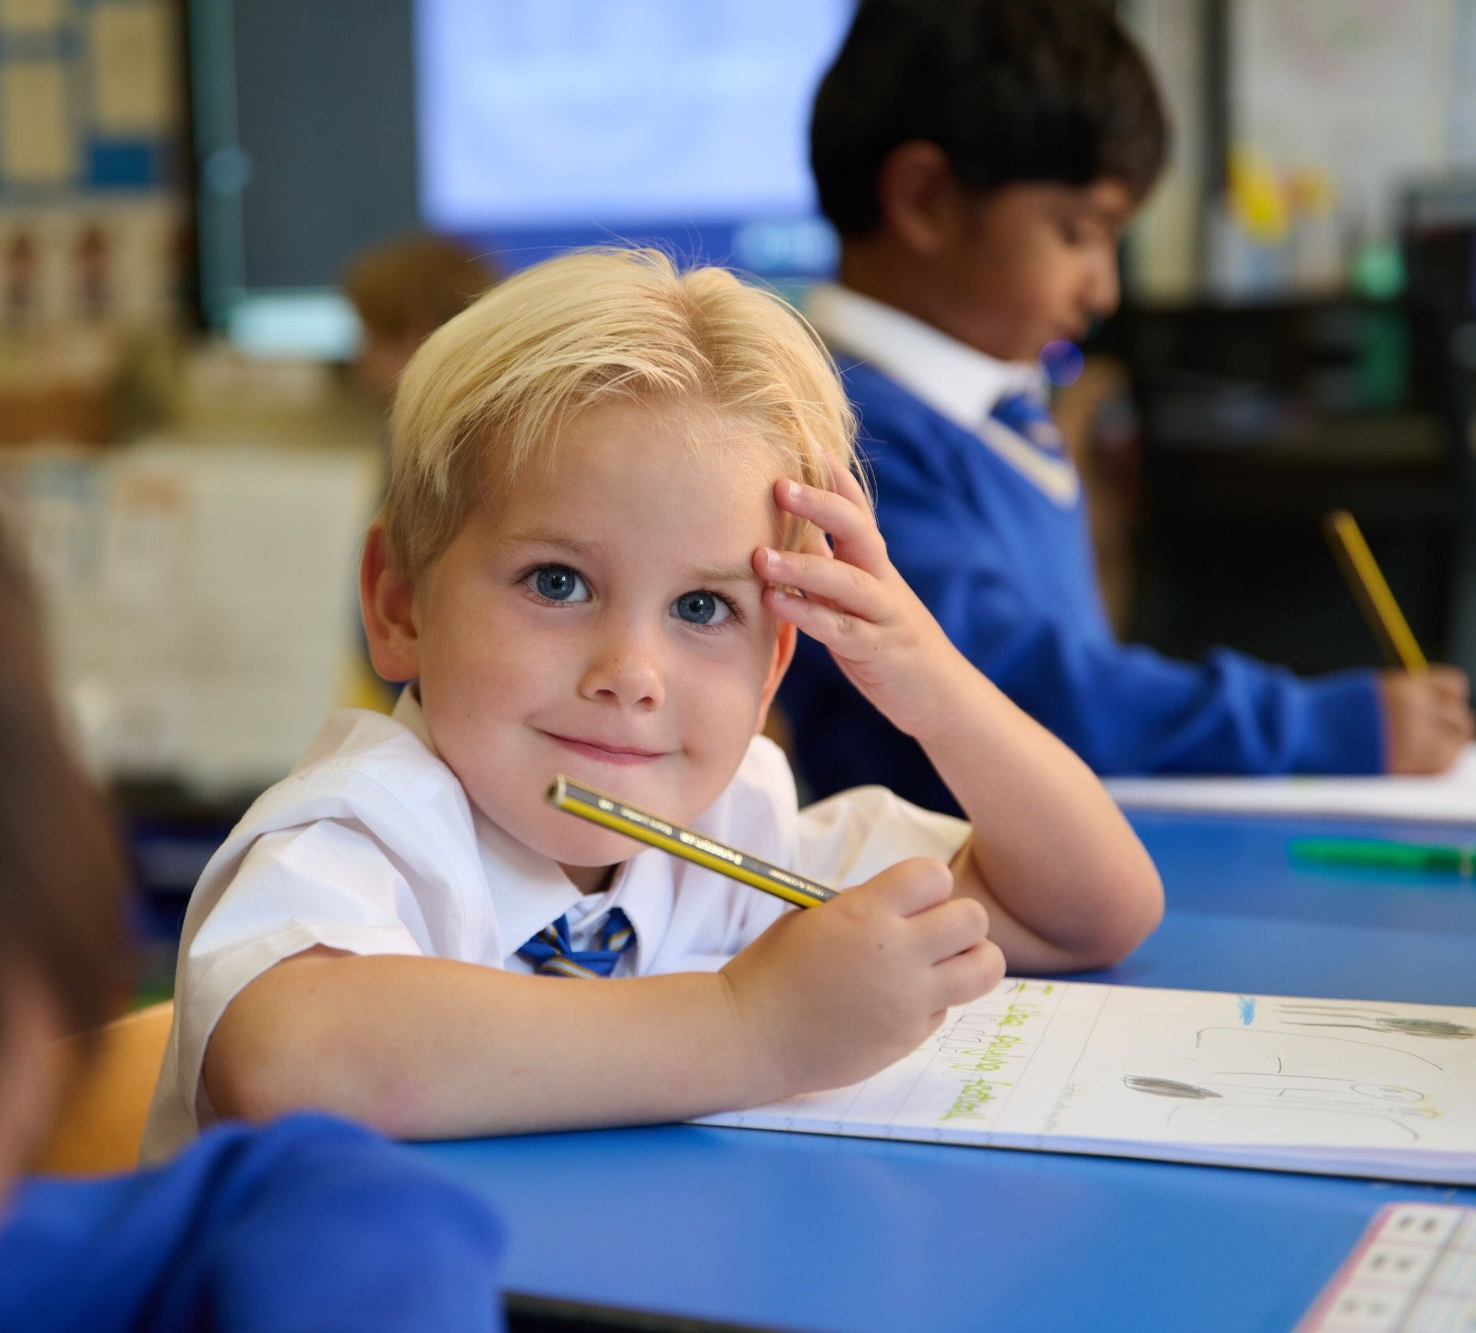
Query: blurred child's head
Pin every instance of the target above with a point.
(62, 938)
(582, 468)
(402, 292)
(987, 154)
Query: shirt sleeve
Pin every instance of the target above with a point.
(329, 883)
(854, 835)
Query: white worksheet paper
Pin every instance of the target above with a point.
(1445, 798)
(1343, 1087)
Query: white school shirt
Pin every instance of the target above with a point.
(956, 380)
(370, 845)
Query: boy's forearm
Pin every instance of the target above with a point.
(428, 1048)
(1066, 880)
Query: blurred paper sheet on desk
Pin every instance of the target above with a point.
(200, 599)
(1447, 798)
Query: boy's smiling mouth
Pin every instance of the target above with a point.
(604, 752)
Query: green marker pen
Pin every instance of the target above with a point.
(1381, 853)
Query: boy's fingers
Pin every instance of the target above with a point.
(835, 629)
(952, 927)
(1457, 710)
(968, 975)
(850, 525)
(1450, 682)
(1459, 723)
(912, 886)
(836, 581)
(845, 482)
(817, 545)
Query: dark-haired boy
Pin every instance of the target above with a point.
(980, 160)
(309, 1223)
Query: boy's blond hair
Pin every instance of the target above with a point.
(498, 383)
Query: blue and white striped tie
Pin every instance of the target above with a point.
(552, 955)
(1027, 415)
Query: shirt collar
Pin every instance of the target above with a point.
(528, 891)
(959, 381)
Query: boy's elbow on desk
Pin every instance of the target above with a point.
(274, 1052)
(1131, 892)
(1126, 907)
(243, 1071)
(1140, 898)
(259, 1079)
(1072, 914)
(1126, 899)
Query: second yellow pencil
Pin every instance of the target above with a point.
(1371, 592)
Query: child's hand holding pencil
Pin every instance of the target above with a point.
(826, 997)
(1427, 709)
(1427, 718)
(829, 995)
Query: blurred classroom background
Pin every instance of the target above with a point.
(189, 459)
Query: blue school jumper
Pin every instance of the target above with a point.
(1009, 572)
(307, 1224)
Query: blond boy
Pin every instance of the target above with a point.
(601, 537)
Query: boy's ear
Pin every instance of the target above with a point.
(387, 601)
(919, 196)
(784, 643)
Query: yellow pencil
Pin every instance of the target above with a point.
(599, 808)
(1371, 592)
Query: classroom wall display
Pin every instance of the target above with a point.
(199, 600)
(92, 221)
(1163, 247)
(523, 127)
(1335, 108)
(1296, 130)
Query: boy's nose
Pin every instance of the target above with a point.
(626, 670)
(1104, 289)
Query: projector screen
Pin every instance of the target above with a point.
(521, 126)
(543, 123)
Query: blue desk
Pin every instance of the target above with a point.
(796, 1232)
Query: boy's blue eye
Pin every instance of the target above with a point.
(558, 583)
(701, 608)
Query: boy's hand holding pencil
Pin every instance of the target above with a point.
(858, 984)
(827, 996)
(1427, 718)
(1427, 709)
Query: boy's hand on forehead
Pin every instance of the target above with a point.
(849, 596)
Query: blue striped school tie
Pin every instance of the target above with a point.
(1028, 416)
(551, 955)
